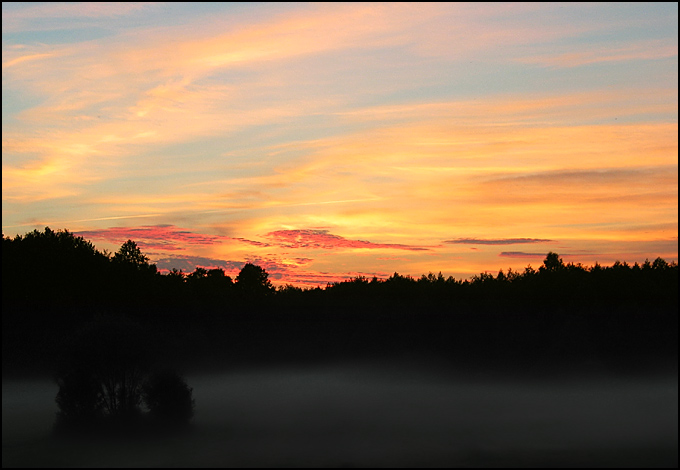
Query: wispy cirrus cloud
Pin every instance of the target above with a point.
(638, 50)
(587, 195)
(74, 10)
(322, 239)
(62, 16)
(665, 175)
(116, 98)
(497, 241)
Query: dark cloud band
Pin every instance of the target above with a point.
(498, 241)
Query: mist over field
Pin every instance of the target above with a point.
(374, 414)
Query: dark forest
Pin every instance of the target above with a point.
(556, 319)
(562, 365)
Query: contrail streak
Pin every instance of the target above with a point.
(85, 220)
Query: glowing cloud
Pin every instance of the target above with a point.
(321, 239)
(154, 237)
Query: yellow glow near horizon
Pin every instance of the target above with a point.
(376, 132)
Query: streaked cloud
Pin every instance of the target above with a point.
(633, 51)
(72, 10)
(252, 242)
(666, 175)
(500, 241)
(321, 239)
(153, 237)
(522, 255)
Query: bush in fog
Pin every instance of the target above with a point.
(78, 399)
(168, 398)
(106, 376)
(103, 373)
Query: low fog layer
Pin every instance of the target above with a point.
(374, 415)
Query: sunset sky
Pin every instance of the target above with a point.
(323, 141)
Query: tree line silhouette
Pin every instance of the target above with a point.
(57, 268)
(621, 315)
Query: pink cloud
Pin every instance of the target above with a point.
(282, 270)
(321, 239)
(155, 237)
(288, 271)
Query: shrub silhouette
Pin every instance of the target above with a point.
(169, 399)
(79, 401)
(102, 376)
(104, 379)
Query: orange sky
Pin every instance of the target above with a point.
(323, 141)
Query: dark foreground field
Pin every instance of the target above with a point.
(402, 413)
(337, 389)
